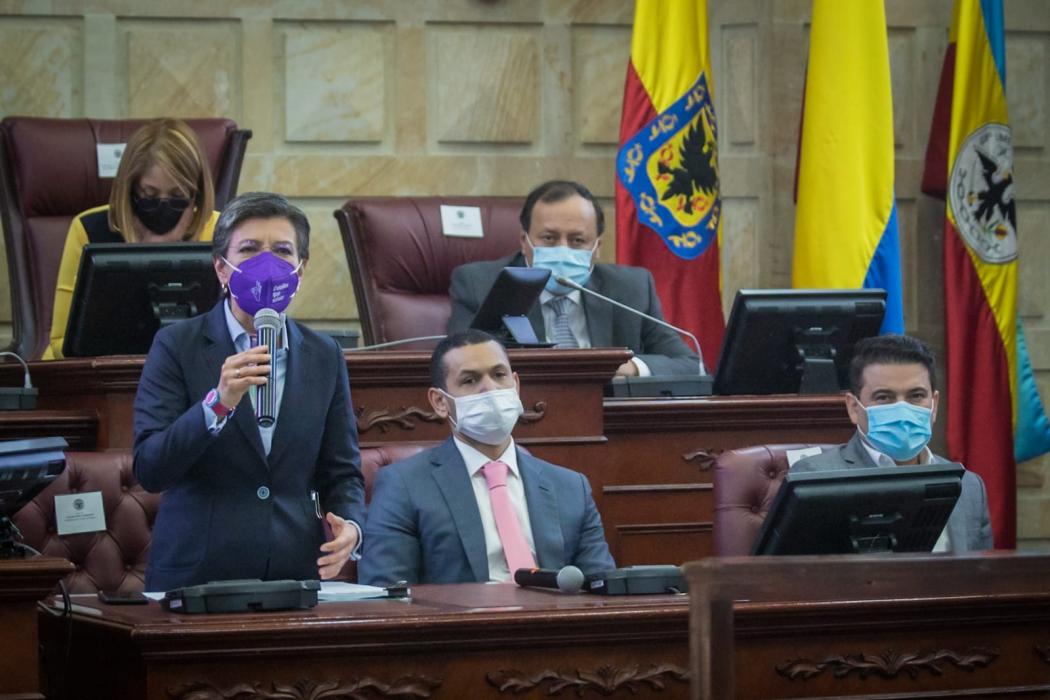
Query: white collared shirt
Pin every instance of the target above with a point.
(944, 543)
(498, 570)
(577, 323)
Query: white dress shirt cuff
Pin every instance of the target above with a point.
(212, 420)
(643, 369)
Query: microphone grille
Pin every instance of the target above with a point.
(267, 318)
(570, 579)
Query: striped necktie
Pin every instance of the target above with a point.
(563, 337)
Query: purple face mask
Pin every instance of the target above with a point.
(264, 282)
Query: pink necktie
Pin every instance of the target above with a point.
(515, 548)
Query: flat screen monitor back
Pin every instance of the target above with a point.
(776, 339)
(845, 511)
(125, 291)
(505, 309)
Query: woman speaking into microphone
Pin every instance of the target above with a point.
(247, 495)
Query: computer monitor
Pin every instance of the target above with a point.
(504, 312)
(788, 341)
(26, 468)
(844, 511)
(126, 291)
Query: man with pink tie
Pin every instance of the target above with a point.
(476, 508)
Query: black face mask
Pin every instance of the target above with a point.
(158, 214)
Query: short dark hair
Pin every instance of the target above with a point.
(471, 336)
(555, 191)
(260, 205)
(890, 349)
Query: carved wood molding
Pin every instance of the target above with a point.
(1044, 652)
(605, 680)
(704, 457)
(403, 688)
(889, 664)
(406, 417)
(385, 418)
(534, 414)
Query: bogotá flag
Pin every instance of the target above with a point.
(846, 234)
(668, 205)
(994, 412)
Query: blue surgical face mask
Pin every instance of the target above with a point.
(563, 261)
(900, 430)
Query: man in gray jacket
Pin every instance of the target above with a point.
(893, 403)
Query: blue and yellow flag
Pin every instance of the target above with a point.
(846, 233)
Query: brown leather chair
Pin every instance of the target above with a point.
(48, 175)
(401, 263)
(116, 559)
(745, 482)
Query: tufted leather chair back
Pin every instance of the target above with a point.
(401, 263)
(745, 482)
(116, 559)
(49, 174)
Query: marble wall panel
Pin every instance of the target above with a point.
(183, 69)
(326, 293)
(599, 66)
(737, 123)
(41, 67)
(335, 82)
(1026, 57)
(1033, 246)
(901, 44)
(739, 247)
(485, 84)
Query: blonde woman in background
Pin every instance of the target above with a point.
(162, 193)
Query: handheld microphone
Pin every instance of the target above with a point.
(567, 579)
(267, 328)
(566, 282)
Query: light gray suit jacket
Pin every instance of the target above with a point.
(660, 348)
(969, 527)
(423, 524)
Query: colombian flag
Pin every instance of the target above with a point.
(994, 413)
(846, 217)
(668, 203)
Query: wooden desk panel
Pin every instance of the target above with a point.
(458, 641)
(900, 626)
(648, 460)
(22, 583)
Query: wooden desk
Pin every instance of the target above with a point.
(648, 460)
(22, 583)
(457, 641)
(901, 626)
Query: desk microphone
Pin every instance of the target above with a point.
(267, 328)
(566, 282)
(394, 343)
(567, 579)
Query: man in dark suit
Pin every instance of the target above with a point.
(477, 508)
(562, 225)
(239, 500)
(893, 403)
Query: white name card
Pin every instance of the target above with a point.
(461, 222)
(795, 455)
(109, 155)
(79, 512)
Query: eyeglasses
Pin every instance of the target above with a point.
(155, 203)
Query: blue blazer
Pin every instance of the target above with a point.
(424, 525)
(228, 511)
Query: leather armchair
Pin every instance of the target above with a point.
(116, 559)
(401, 264)
(745, 483)
(48, 175)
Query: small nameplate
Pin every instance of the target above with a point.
(109, 155)
(79, 512)
(795, 455)
(461, 222)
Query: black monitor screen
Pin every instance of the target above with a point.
(898, 509)
(504, 311)
(787, 341)
(126, 291)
